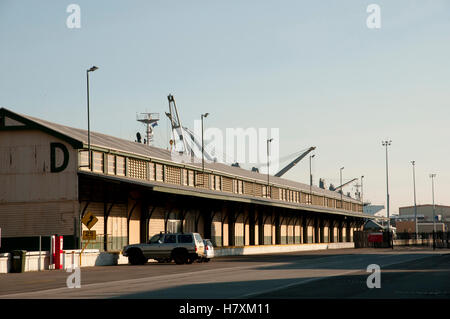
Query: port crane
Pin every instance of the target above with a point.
(346, 183)
(184, 140)
(294, 162)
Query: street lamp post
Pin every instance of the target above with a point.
(434, 217)
(362, 192)
(203, 149)
(415, 203)
(92, 69)
(386, 144)
(310, 177)
(340, 183)
(432, 192)
(268, 185)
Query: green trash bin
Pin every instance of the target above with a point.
(18, 260)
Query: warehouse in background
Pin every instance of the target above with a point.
(49, 183)
(405, 221)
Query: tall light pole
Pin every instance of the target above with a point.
(203, 150)
(268, 186)
(415, 204)
(434, 217)
(432, 192)
(386, 144)
(340, 179)
(310, 177)
(92, 69)
(362, 191)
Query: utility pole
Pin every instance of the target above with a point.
(386, 144)
(340, 178)
(415, 204)
(310, 178)
(362, 191)
(434, 215)
(269, 192)
(203, 154)
(92, 69)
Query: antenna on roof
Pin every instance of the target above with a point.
(150, 120)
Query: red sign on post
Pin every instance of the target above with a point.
(58, 251)
(375, 238)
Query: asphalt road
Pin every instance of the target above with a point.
(405, 273)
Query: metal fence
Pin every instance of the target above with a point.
(434, 239)
(362, 239)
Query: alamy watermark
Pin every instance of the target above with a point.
(73, 21)
(74, 279)
(247, 146)
(374, 279)
(374, 19)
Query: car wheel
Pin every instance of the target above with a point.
(180, 258)
(137, 258)
(190, 259)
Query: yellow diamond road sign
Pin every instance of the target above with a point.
(89, 220)
(89, 235)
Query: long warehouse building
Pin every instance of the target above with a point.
(136, 190)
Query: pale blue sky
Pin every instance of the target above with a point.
(311, 68)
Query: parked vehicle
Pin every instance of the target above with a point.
(183, 248)
(209, 251)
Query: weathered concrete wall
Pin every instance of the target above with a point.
(270, 249)
(89, 258)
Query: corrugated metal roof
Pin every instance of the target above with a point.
(207, 193)
(121, 145)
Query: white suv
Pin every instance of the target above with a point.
(183, 248)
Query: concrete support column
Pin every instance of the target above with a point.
(231, 226)
(305, 229)
(321, 231)
(316, 230)
(340, 233)
(252, 221)
(277, 229)
(331, 240)
(348, 232)
(261, 227)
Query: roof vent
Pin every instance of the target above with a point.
(322, 183)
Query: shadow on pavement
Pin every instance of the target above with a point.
(424, 278)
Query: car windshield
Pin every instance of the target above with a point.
(154, 239)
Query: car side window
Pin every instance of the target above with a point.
(170, 239)
(154, 239)
(185, 239)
